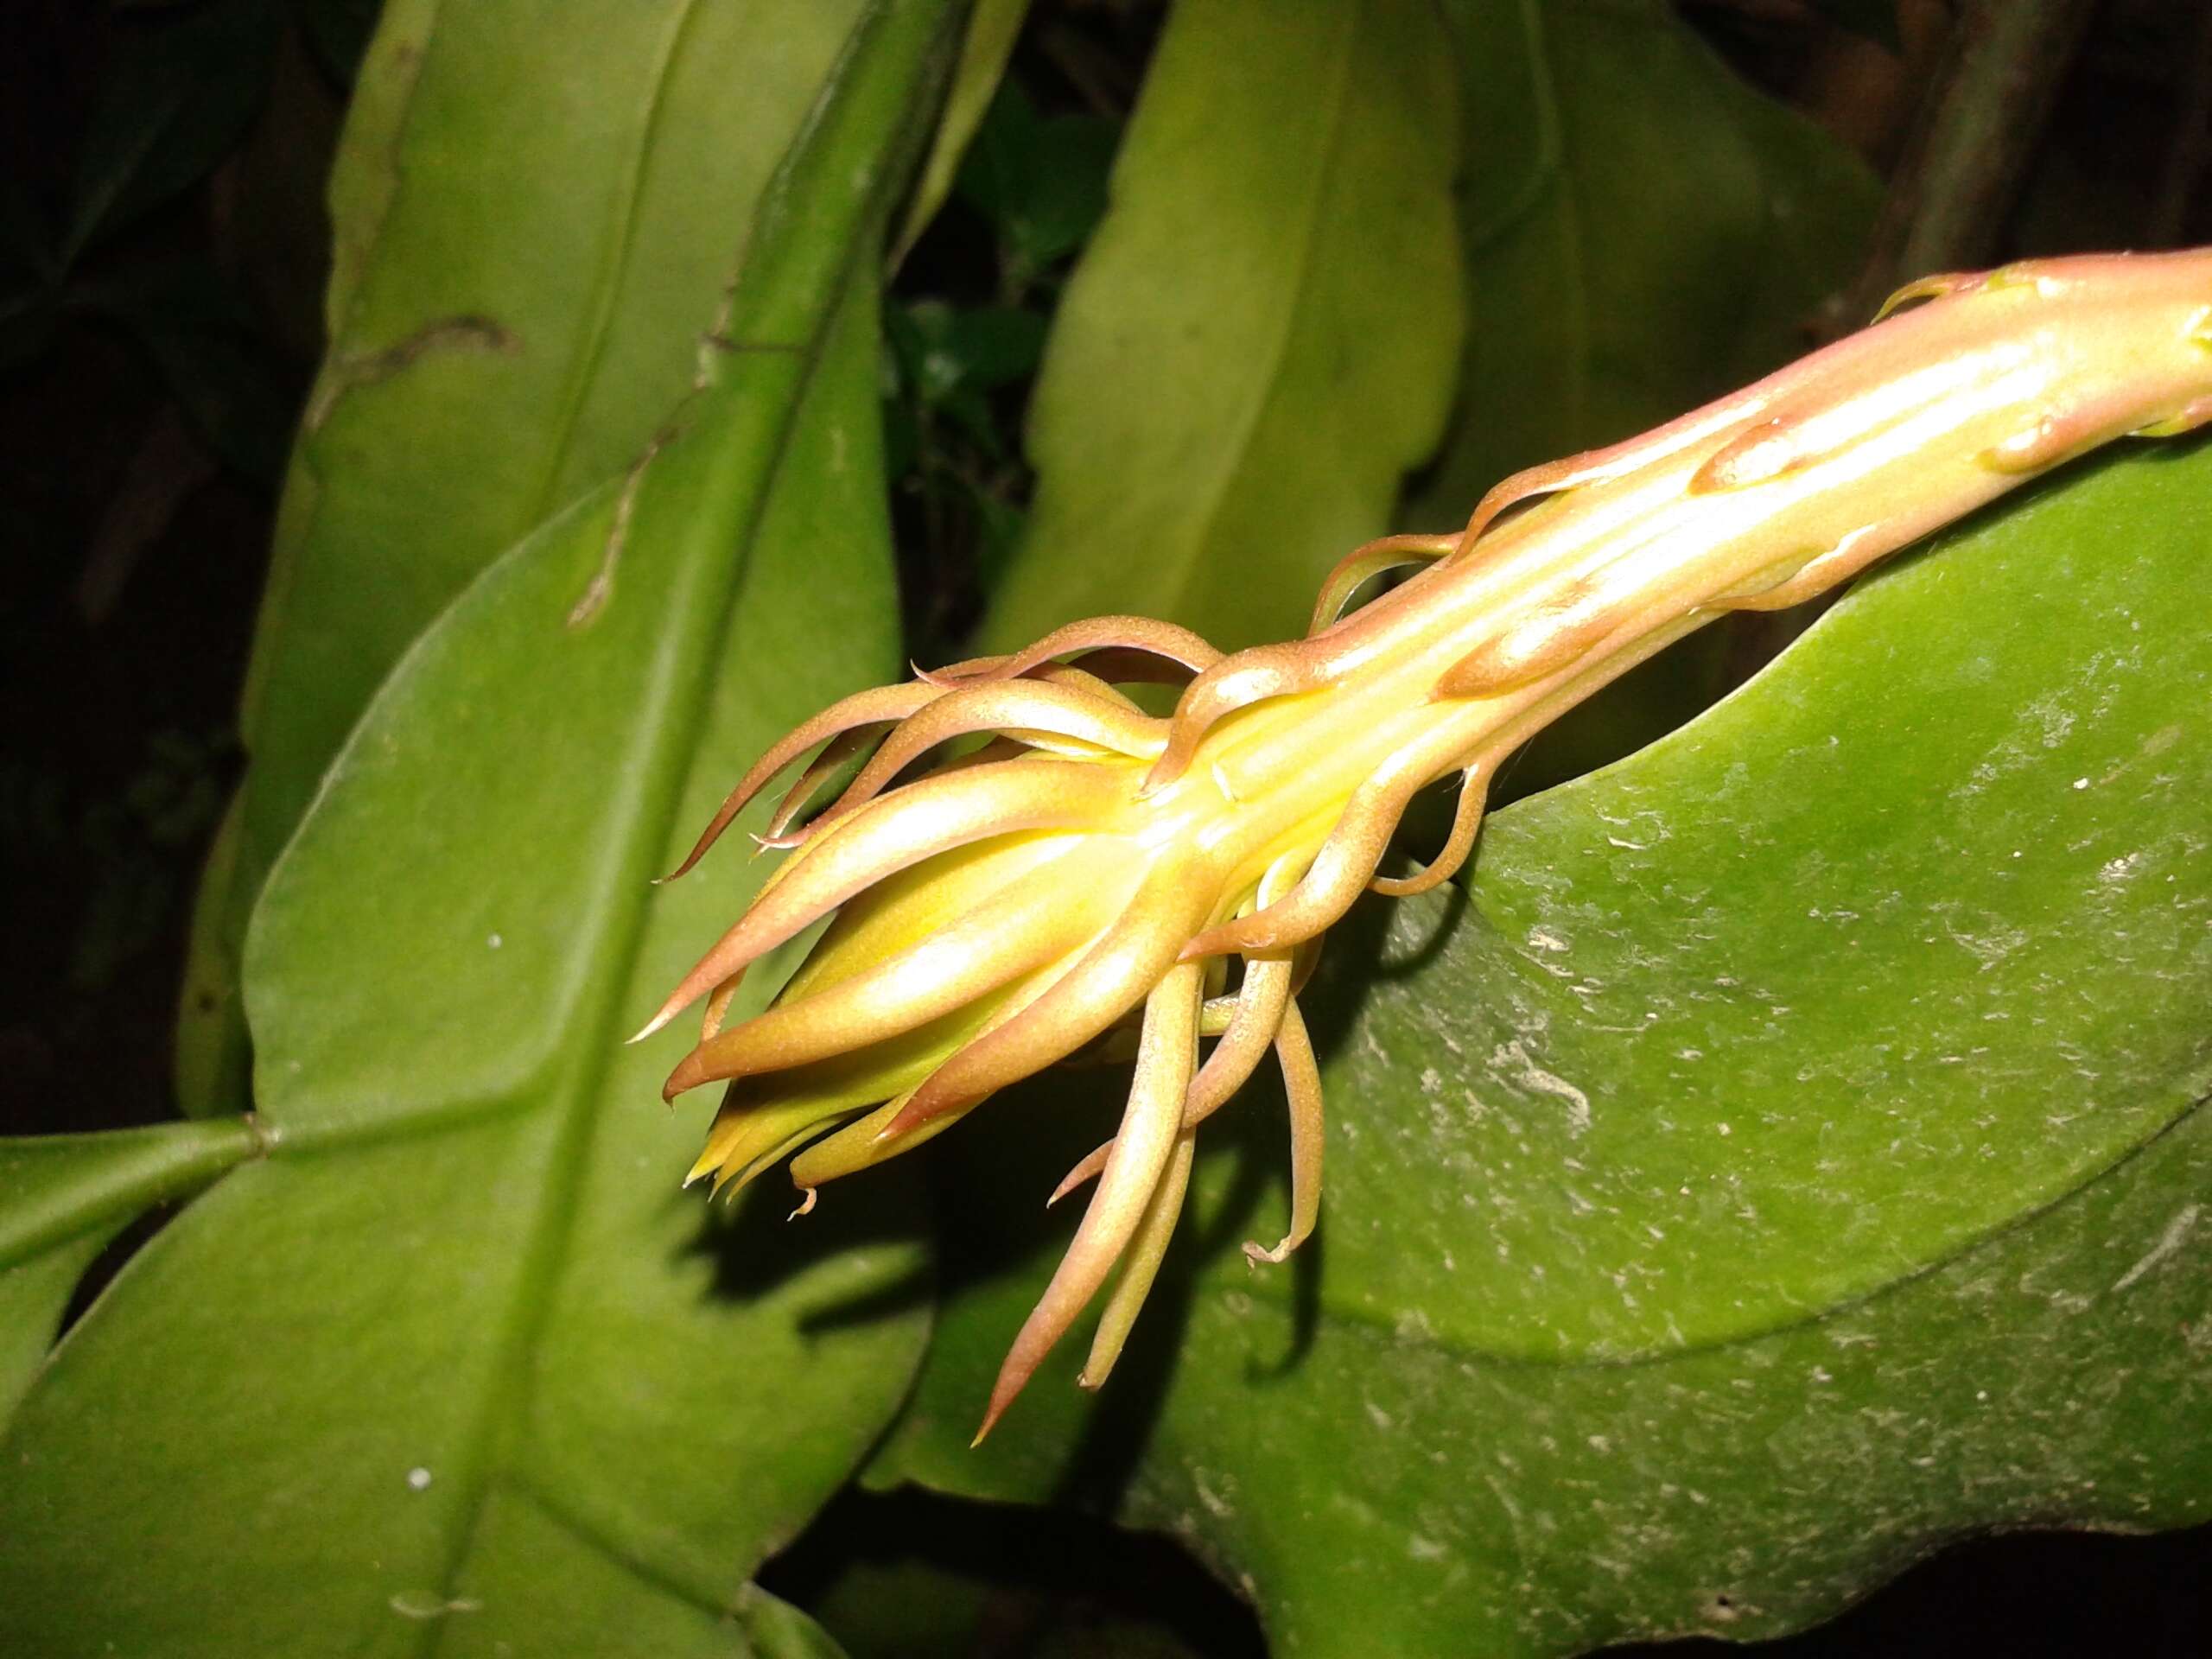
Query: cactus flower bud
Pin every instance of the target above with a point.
(1091, 864)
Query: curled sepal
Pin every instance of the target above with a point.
(1030, 710)
(1139, 1264)
(1246, 1023)
(1249, 677)
(1151, 1124)
(881, 706)
(1362, 565)
(1466, 824)
(1341, 868)
(1301, 1080)
(1089, 639)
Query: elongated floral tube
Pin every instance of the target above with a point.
(1018, 903)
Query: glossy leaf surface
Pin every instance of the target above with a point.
(1837, 1061)
(455, 1365)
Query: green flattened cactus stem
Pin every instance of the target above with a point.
(1092, 865)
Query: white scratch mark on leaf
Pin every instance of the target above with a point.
(1550, 1083)
(2177, 1231)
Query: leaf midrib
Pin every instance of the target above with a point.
(574, 1110)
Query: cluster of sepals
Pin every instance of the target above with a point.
(1019, 903)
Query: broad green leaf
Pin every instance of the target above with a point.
(1643, 231)
(63, 1198)
(455, 1364)
(536, 206)
(1263, 336)
(1836, 1059)
(992, 27)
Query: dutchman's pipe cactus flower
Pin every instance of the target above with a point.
(999, 910)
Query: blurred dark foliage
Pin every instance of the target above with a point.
(162, 251)
(162, 259)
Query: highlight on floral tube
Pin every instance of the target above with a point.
(1020, 859)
